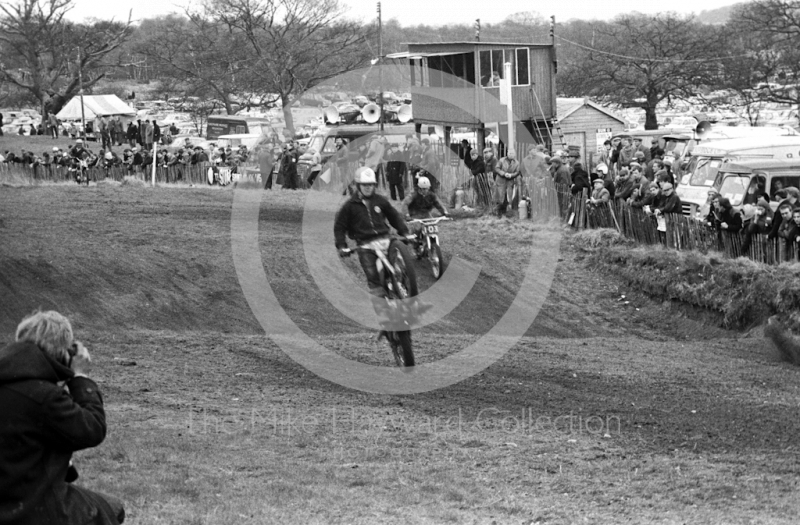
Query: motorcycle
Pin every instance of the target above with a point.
(399, 280)
(428, 244)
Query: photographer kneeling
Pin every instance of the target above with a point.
(42, 425)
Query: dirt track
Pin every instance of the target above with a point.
(148, 276)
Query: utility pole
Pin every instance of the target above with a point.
(80, 91)
(380, 64)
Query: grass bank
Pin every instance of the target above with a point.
(745, 292)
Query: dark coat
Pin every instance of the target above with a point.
(363, 220)
(41, 426)
(395, 167)
(477, 166)
(580, 181)
(729, 216)
(668, 203)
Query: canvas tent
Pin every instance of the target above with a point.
(95, 106)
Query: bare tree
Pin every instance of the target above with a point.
(294, 44)
(640, 60)
(197, 52)
(770, 30)
(37, 47)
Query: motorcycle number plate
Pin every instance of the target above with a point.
(433, 229)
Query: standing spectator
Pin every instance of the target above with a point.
(667, 201)
(105, 132)
(760, 223)
(395, 170)
(534, 165)
(374, 158)
(561, 175)
(788, 229)
(156, 132)
(600, 194)
(580, 179)
(148, 135)
(724, 217)
(465, 152)
(315, 166)
(624, 185)
(266, 162)
(52, 125)
(132, 134)
(490, 162)
(480, 180)
(507, 170)
(788, 196)
(289, 167)
(605, 155)
(638, 147)
(625, 154)
(44, 423)
(648, 199)
(1, 124)
(142, 129)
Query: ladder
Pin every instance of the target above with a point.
(564, 144)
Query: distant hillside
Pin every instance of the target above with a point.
(718, 16)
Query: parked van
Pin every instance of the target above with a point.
(707, 158)
(230, 125)
(325, 141)
(743, 181)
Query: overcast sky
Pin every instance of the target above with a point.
(431, 12)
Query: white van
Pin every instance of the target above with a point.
(707, 158)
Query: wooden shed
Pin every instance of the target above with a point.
(457, 83)
(586, 125)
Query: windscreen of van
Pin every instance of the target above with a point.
(734, 187)
(704, 170)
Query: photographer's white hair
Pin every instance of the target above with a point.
(50, 330)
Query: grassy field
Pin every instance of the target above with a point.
(611, 409)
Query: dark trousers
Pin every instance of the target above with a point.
(368, 264)
(396, 190)
(290, 180)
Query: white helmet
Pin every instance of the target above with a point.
(109, 155)
(366, 176)
(424, 183)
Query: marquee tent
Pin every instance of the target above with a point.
(95, 106)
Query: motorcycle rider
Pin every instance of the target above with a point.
(363, 218)
(419, 204)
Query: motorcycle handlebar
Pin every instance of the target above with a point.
(430, 221)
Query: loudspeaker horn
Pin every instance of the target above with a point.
(404, 113)
(702, 128)
(371, 113)
(331, 114)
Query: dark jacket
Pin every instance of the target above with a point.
(580, 181)
(41, 426)
(477, 166)
(647, 200)
(668, 203)
(364, 219)
(729, 216)
(625, 188)
(419, 206)
(395, 167)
